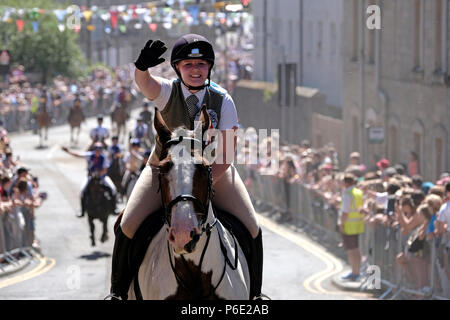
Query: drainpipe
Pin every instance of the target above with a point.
(362, 63)
(265, 39)
(300, 69)
(381, 94)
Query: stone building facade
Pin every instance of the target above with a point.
(397, 79)
(304, 32)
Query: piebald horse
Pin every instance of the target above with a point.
(76, 117)
(193, 256)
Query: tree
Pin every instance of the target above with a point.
(47, 50)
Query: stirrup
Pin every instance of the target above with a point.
(112, 296)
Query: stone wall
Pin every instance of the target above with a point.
(257, 106)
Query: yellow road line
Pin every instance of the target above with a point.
(45, 264)
(332, 265)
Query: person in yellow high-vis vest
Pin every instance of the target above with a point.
(352, 224)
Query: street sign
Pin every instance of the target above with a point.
(376, 134)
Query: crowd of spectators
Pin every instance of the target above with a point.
(20, 196)
(20, 97)
(393, 197)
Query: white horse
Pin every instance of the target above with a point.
(193, 256)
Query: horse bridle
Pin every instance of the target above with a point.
(188, 197)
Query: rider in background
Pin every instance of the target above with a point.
(115, 150)
(99, 133)
(146, 114)
(141, 132)
(97, 164)
(133, 161)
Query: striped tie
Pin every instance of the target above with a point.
(191, 103)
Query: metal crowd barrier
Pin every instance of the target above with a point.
(426, 275)
(16, 236)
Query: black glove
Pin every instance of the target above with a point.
(150, 55)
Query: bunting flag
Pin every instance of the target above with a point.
(35, 26)
(194, 11)
(19, 24)
(34, 14)
(60, 14)
(123, 17)
(87, 14)
(114, 15)
(153, 26)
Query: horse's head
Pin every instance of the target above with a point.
(94, 183)
(185, 182)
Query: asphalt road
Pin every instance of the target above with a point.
(295, 268)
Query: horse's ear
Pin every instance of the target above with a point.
(204, 119)
(161, 128)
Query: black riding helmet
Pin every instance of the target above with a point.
(192, 46)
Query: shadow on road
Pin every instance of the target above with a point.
(95, 255)
(41, 147)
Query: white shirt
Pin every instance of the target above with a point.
(228, 113)
(101, 131)
(347, 200)
(382, 199)
(444, 217)
(444, 214)
(142, 129)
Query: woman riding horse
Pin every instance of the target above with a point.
(209, 264)
(192, 59)
(97, 166)
(76, 117)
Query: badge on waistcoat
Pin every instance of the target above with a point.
(212, 115)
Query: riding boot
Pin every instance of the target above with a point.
(114, 204)
(121, 274)
(256, 267)
(83, 206)
(112, 201)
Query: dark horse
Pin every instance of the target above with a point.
(115, 172)
(98, 206)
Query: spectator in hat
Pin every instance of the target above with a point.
(355, 158)
(383, 164)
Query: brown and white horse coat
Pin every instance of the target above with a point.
(214, 267)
